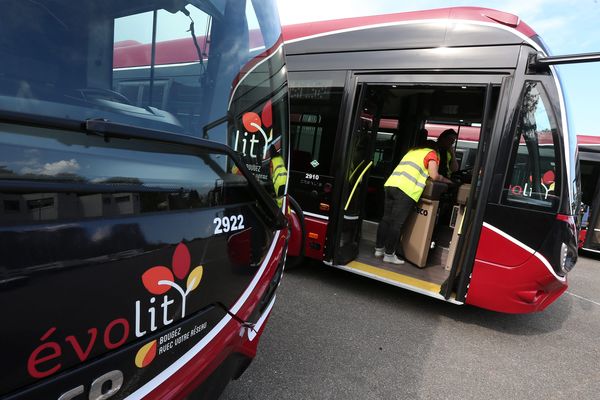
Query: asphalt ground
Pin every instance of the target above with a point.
(336, 335)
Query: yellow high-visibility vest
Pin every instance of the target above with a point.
(278, 176)
(410, 174)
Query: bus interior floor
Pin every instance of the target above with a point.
(433, 272)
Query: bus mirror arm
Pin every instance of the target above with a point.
(539, 61)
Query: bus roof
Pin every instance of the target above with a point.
(589, 147)
(318, 28)
(588, 140)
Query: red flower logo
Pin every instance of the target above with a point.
(159, 279)
(145, 354)
(253, 123)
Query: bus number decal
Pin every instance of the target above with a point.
(229, 224)
(312, 176)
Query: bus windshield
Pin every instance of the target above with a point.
(192, 67)
(145, 63)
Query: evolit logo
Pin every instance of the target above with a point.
(159, 280)
(49, 357)
(253, 123)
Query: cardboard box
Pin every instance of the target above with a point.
(417, 232)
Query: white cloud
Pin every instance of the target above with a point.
(55, 168)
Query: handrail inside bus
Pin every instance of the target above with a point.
(356, 184)
(356, 169)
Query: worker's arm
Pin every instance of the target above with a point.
(432, 168)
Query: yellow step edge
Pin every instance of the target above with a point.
(384, 273)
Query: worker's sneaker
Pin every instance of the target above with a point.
(392, 259)
(378, 251)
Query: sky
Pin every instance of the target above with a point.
(566, 26)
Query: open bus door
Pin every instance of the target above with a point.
(527, 193)
(355, 175)
(592, 238)
(389, 112)
(468, 220)
(590, 185)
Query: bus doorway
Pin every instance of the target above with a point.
(517, 240)
(589, 154)
(389, 118)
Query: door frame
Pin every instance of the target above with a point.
(592, 156)
(593, 222)
(494, 177)
(349, 104)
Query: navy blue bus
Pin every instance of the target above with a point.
(141, 244)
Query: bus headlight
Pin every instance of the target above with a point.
(567, 259)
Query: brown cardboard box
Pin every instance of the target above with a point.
(417, 232)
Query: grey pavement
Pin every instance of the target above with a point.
(335, 335)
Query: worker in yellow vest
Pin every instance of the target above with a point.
(445, 144)
(277, 169)
(403, 190)
(279, 177)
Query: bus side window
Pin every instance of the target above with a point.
(315, 111)
(533, 173)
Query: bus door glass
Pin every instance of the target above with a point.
(473, 151)
(590, 184)
(531, 188)
(592, 241)
(355, 175)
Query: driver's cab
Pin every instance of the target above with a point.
(391, 119)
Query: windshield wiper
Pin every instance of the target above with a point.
(117, 130)
(40, 120)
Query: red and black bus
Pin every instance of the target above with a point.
(589, 158)
(140, 251)
(362, 90)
